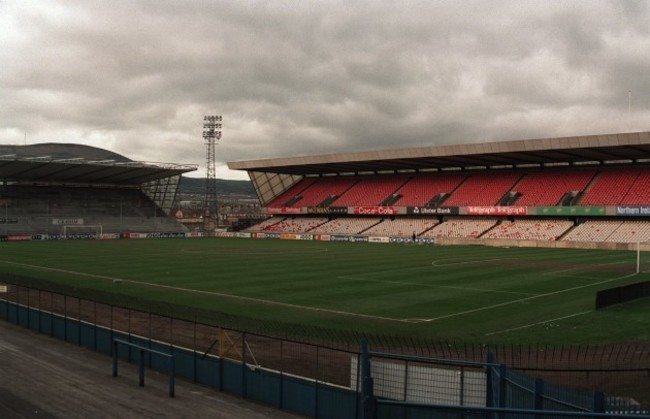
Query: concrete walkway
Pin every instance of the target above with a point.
(44, 377)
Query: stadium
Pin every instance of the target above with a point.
(484, 261)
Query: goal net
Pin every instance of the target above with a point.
(82, 231)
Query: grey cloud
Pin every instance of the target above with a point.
(301, 78)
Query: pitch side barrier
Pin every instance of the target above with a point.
(623, 294)
(327, 237)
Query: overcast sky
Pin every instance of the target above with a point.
(317, 77)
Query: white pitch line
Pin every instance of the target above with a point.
(592, 278)
(559, 272)
(217, 294)
(414, 321)
(460, 313)
(538, 323)
(353, 278)
(467, 262)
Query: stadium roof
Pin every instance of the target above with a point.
(599, 149)
(85, 171)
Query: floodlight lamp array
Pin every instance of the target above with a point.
(212, 127)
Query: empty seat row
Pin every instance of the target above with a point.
(370, 191)
(533, 229)
(402, 227)
(45, 210)
(611, 231)
(468, 227)
(549, 187)
(461, 227)
(609, 186)
(289, 225)
(347, 225)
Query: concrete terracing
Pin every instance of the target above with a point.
(43, 377)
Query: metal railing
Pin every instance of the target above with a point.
(141, 362)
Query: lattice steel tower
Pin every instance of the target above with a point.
(211, 134)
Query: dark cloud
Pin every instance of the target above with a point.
(300, 78)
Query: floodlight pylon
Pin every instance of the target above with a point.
(211, 134)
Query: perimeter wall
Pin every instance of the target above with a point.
(446, 241)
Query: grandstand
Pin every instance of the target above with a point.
(572, 189)
(55, 190)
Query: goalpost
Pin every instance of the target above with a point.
(82, 231)
(642, 254)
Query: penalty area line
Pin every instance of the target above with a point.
(538, 323)
(560, 272)
(418, 284)
(520, 300)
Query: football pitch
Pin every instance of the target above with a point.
(461, 293)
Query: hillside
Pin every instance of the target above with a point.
(224, 187)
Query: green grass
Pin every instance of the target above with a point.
(472, 294)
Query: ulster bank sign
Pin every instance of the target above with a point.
(432, 211)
